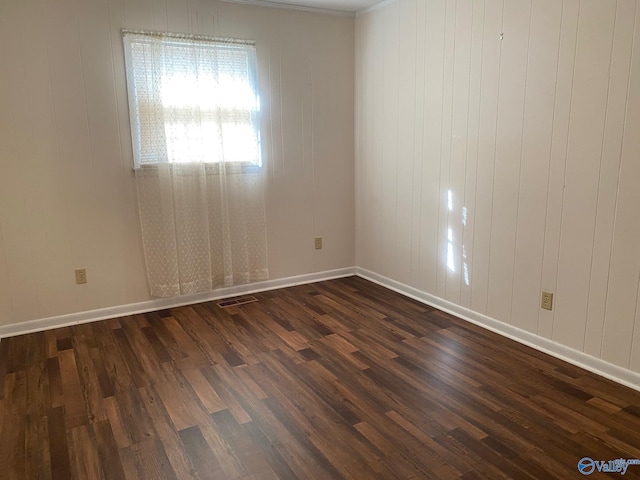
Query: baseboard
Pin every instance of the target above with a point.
(164, 303)
(596, 365)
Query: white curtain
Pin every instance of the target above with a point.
(194, 120)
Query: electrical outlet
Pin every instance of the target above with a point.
(318, 243)
(81, 275)
(547, 301)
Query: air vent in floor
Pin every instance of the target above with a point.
(234, 302)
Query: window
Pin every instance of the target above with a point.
(192, 99)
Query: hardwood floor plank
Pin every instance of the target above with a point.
(141, 353)
(13, 457)
(58, 446)
(325, 429)
(130, 358)
(151, 461)
(174, 448)
(185, 343)
(85, 460)
(203, 459)
(248, 453)
(286, 446)
(36, 447)
(120, 433)
(108, 451)
(158, 348)
(178, 403)
(215, 376)
(136, 419)
(271, 452)
(228, 337)
(158, 326)
(334, 380)
(203, 389)
(104, 382)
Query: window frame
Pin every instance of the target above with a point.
(213, 167)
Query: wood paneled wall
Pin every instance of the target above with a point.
(498, 155)
(67, 195)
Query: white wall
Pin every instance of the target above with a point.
(537, 139)
(67, 195)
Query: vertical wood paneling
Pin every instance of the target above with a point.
(131, 252)
(51, 194)
(68, 195)
(363, 129)
(457, 168)
(203, 16)
(102, 121)
(160, 15)
(294, 45)
(588, 107)
(330, 139)
(6, 309)
(418, 140)
(472, 151)
(536, 146)
(275, 140)
(406, 133)
(375, 206)
(70, 105)
(634, 362)
(621, 326)
(483, 201)
(531, 134)
(609, 173)
(432, 148)
(511, 95)
(16, 139)
(177, 16)
(139, 14)
(7, 151)
(31, 76)
(389, 167)
(558, 160)
(443, 263)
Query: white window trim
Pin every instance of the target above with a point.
(231, 167)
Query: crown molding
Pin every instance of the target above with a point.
(288, 6)
(375, 7)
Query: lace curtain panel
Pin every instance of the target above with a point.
(194, 120)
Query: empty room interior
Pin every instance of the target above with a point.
(319, 239)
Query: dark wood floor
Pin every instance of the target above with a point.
(339, 379)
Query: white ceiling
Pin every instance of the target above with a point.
(346, 6)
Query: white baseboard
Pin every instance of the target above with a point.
(164, 303)
(596, 365)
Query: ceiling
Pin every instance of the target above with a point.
(346, 6)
